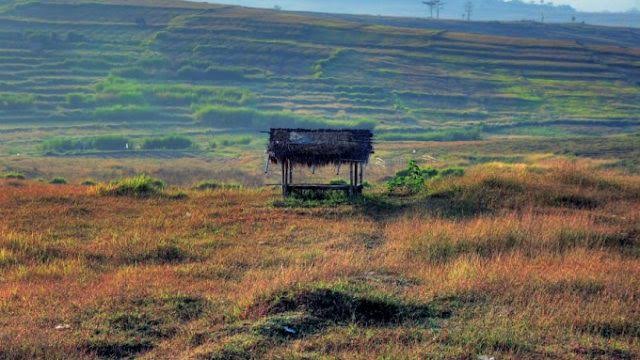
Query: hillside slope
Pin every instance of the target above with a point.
(56, 56)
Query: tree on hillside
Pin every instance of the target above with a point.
(468, 9)
(434, 4)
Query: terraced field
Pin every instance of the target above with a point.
(55, 55)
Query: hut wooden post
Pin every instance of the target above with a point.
(290, 172)
(284, 179)
(361, 180)
(350, 178)
(355, 172)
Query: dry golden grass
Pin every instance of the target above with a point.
(510, 261)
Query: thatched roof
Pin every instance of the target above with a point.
(320, 146)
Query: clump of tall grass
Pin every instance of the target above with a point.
(13, 175)
(137, 186)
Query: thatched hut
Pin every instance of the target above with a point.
(320, 147)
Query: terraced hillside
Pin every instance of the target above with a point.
(69, 63)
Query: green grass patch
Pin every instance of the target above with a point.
(128, 328)
(16, 101)
(103, 143)
(436, 135)
(137, 186)
(115, 90)
(127, 112)
(13, 175)
(243, 118)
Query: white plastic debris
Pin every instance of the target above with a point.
(63, 327)
(290, 330)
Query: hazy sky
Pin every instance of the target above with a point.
(599, 5)
(583, 5)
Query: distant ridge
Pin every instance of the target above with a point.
(483, 10)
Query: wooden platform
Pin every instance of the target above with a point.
(357, 189)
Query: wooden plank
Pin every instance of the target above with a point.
(321, 187)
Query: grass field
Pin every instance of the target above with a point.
(137, 219)
(509, 260)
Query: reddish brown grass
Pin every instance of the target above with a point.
(523, 276)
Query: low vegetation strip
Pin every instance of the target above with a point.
(227, 117)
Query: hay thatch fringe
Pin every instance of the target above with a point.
(320, 146)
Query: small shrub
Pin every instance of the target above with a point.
(58, 181)
(14, 176)
(412, 179)
(141, 186)
(89, 182)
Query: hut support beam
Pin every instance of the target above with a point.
(350, 178)
(284, 179)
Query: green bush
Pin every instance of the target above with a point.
(139, 186)
(58, 181)
(170, 142)
(413, 179)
